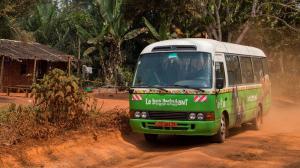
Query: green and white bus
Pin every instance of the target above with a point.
(198, 87)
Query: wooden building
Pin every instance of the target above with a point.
(22, 63)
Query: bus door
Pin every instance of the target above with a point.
(220, 72)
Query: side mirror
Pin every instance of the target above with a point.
(130, 90)
(220, 83)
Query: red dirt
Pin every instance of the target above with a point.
(18, 98)
(104, 101)
(276, 145)
(109, 104)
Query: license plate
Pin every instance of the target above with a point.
(166, 124)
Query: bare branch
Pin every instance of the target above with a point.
(253, 11)
(279, 4)
(218, 20)
(282, 21)
(219, 4)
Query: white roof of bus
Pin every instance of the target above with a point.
(208, 45)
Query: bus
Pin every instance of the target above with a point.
(198, 87)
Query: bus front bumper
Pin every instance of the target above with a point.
(205, 128)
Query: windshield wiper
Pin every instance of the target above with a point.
(159, 88)
(189, 87)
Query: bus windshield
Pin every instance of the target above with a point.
(174, 69)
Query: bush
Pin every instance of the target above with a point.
(59, 105)
(116, 119)
(59, 99)
(19, 123)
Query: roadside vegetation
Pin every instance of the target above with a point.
(59, 106)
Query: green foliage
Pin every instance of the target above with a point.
(59, 99)
(108, 42)
(125, 77)
(10, 13)
(109, 34)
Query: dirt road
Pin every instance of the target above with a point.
(276, 145)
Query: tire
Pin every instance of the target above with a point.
(151, 138)
(258, 121)
(222, 132)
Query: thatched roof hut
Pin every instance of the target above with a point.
(19, 50)
(23, 62)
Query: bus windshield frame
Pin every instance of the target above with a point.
(174, 70)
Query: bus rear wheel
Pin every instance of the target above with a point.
(222, 132)
(151, 138)
(257, 122)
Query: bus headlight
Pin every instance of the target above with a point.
(137, 114)
(200, 116)
(192, 116)
(144, 114)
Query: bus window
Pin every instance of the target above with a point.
(233, 70)
(220, 73)
(166, 69)
(258, 69)
(247, 71)
(265, 66)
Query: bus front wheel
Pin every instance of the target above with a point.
(222, 132)
(151, 138)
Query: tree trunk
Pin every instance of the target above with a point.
(219, 21)
(247, 24)
(246, 27)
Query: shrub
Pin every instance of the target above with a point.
(19, 123)
(115, 119)
(59, 99)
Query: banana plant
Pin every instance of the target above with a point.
(43, 22)
(165, 31)
(115, 31)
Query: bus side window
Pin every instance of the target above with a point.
(247, 71)
(220, 73)
(258, 69)
(233, 70)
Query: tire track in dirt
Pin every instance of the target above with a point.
(276, 145)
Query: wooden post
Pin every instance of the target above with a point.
(2, 72)
(78, 61)
(34, 71)
(26, 91)
(69, 66)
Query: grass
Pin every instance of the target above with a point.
(3, 112)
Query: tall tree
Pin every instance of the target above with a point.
(229, 21)
(10, 12)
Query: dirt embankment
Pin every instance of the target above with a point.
(276, 145)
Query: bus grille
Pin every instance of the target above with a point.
(156, 115)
